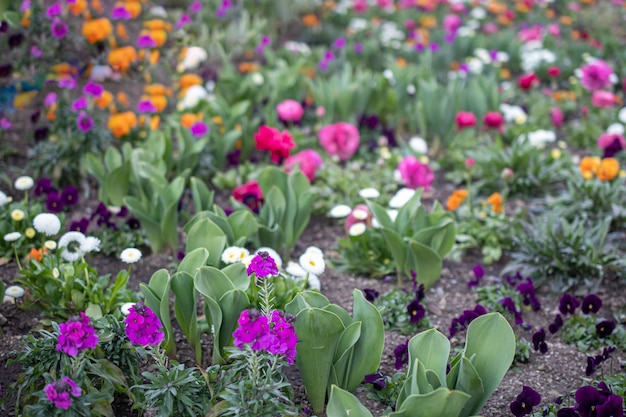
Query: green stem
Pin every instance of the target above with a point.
(17, 258)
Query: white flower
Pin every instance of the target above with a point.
(158, 11)
(314, 282)
(312, 263)
(616, 128)
(193, 95)
(193, 57)
(369, 193)
(125, 308)
(50, 244)
(273, 254)
(91, 244)
(538, 138)
(513, 113)
(246, 261)
(234, 254)
(71, 243)
(418, 145)
(295, 269)
(56, 273)
(478, 13)
(24, 183)
(130, 255)
(3, 199)
(474, 65)
(360, 214)
(388, 74)
(100, 73)
(257, 78)
(410, 89)
(357, 24)
(357, 229)
(315, 250)
(297, 47)
(12, 237)
(401, 197)
(621, 116)
(483, 55)
(14, 291)
(47, 223)
(340, 211)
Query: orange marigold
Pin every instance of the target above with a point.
(104, 100)
(121, 124)
(310, 20)
(608, 169)
(77, 7)
(157, 24)
(456, 199)
(188, 80)
(133, 8)
(589, 166)
(97, 30)
(188, 119)
(495, 200)
(121, 58)
(37, 254)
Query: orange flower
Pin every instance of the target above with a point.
(550, 13)
(157, 24)
(608, 169)
(96, 5)
(188, 119)
(154, 57)
(77, 7)
(25, 22)
(157, 90)
(104, 100)
(52, 113)
(159, 101)
(495, 200)
(134, 8)
(428, 22)
(189, 80)
(155, 122)
(120, 124)
(567, 21)
(310, 20)
(245, 67)
(456, 199)
(120, 29)
(400, 62)
(121, 58)
(37, 254)
(589, 166)
(122, 98)
(97, 30)
(159, 36)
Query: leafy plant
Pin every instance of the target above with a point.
(333, 347)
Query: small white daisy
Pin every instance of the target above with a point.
(340, 211)
(357, 229)
(47, 223)
(418, 145)
(130, 255)
(315, 250)
(71, 243)
(24, 183)
(273, 254)
(14, 291)
(246, 261)
(91, 244)
(234, 254)
(360, 214)
(314, 282)
(369, 193)
(125, 308)
(294, 269)
(312, 263)
(3, 199)
(50, 244)
(401, 197)
(621, 115)
(12, 237)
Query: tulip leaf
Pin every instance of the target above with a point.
(344, 404)
(206, 234)
(242, 223)
(381, 216)
(425, 261)
(238, 276)
(441, 402)
(193, 260)
(185, 308)
(404, 220)
(469, 382)
(432, 349)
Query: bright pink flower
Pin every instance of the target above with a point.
(289, 111)
(262, 265)
(602, 99)
(84, 122)
(451, 23)
(415, 174)
(278, 143)
(359, 6)
(76, 334)
(58, 393)
(470, 163)
(532, 33)
(58, 28)
(528, 81)
(554, 30)
(143, 327)
(341, 139)
(606, 139)
(360, 214)
(494, 120)
(458, 8)
(554, 71)
(557, 117)
(596, 76)
(465, 119)
(199, 129)
(249, 194)
(308, 161)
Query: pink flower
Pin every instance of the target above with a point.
(84, 122)
(465, 119)
(58, 393)
(415, 174)
(596, 75)
(199, 129)
(143, 327)
(249, 194)
(58, 28)
(50, 99)
(451, 23)
(528, 81)
(340, 139)
(308, 161)
(5, 124)
(360, 214)
(36, 52)
(602, 99)
(76, 334)
(359, 6)
(554, 30)
(557, 117)
(470, 163)
(532, 33)
(278, 143)
(606, 139)
(289, 111)
(494, 120)
(54, 10)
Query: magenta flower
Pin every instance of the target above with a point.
(143, 327)
(146, 106)
(415, 174)
(120, 12)
(59, 392)
(146, 41)
(36, 52)
(5, 124)
(199, 129)
(308, 161)
(93, 89)
(68, 83)
(596, 76)
(195, 6)
(340, 139)
(76, 334)
(50, 99)
(602, 99)
(262, 265)
(84, 122)
(79, 104)
(184, 19)
(289, 111)
(339, 43)
(25, 6)
(58, 28)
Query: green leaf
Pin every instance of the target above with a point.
(206, 234)
(432, 349)
(439, 403)
(211, 282)
(243, 224)
(344, 404)
(340, 371)
(425, 261)
(185, 309)
(193, 261)
(201, 195)
(93, 311)
(381, 216)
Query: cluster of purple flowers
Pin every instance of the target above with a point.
(262, 265)
(59, 392)
(76, 334)
(143, 327)
(56, 201)
(594, 361)
(275, 335)
(591, 304)
(106, 218)
(460, 323)
(595, 402)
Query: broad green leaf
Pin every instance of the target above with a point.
(206, 234)
(381, 216)
(238, 276)
(242, 223)
(344, 404)
(113, 159)
(439, 403)
(470, 383)
(201, 195)
(232, 304)
(193, 261)
(340, 371)
(211, 282)
(426, 262)
(404, 220)
(397, 246)
(432, 349)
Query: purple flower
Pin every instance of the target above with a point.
(479, 273)
(605, 328)
(525, 402)
(556, 325)
(591, 366)
(36, 52)
(339, 43)
(79, 104)
(416, 311)
(539, 341)
(76, 334)
(358, 47)
(58, 28)
(69, 195)
(58, 393)
(120, 12)
(465, 319)
(262, 265)
(143, 327)
(401, 354)
(25, 6)
(591, 304)
(184, 19)
(265, 42)
(84, 122)
(54, 10)
(80, 225)
(54, 203)
(370, 294)
(195, 7)
(588, 398)
(43, 186)
(567, 412)
(612, 407)
(527, 290)
(276, 336)
(568, 304)
(377, 380)
(199, 129)
(93, 89)
(5, 124)
(434, 47)
(68, 83)
(509, 305)
(50, 99)
(133, 223)
(146, 106)
(146, 41)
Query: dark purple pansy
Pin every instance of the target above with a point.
(612, 407)
(605, 328)
(591, 366)
(509, 305)
(370, 294)
(591, 304)
(527, 290)
(43, 186)
(416, 311)
(588, 399)
(539, 341)
(54, 203)
(377, 380)
(80, 225)
(69, 195)
(567, 412)
(524, 402)
(568, 304)
(401, 354)
(133, 223)
(556, 325)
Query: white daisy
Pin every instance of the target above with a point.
(369, 193)
(401, 197)
(312, 263)
(91, 244)
(71, 243)
(50, 244)
(340, 211)
(314, 282)
(234, 254)
(47, 223)
(273, 254)
(294, 269)
(357, 229)
(125, 308)
(14, 291)
(246, 261)
(621, 115)
(615, 128)
(24, 183)
(12, 237)
(315, 250)
(3, 199)
(418, 145)
(130, 255)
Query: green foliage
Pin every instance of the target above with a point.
(580, 330)
(393, 308)
(418, 241)
(365, 254)
(565, 253)
(334, 348)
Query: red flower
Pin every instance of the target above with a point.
(528, 81)
(249, 194)
(494, 120)
(276, 142)
(554, 71)
(465, 119)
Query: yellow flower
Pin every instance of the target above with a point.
(608, 169)
(29, 233)
(17, 215)
(555, 153)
